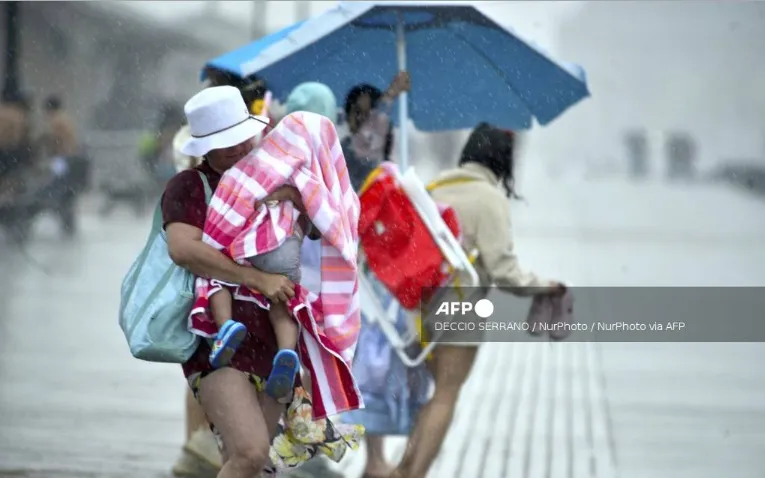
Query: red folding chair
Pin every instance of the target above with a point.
(411, 245)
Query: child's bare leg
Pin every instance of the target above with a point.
(230, 333)
(285, 327)
(286, 362)
(221, 304)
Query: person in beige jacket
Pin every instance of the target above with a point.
(473, 191)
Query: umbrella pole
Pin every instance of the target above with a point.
(403, 113)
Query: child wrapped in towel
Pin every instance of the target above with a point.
(303, 151)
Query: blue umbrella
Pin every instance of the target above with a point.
(465, 67)
(232, 61)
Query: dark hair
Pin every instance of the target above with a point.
(252, 87)
(493, 148)
(53, 103)
(374, 93)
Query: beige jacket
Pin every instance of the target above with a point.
(484, 214)
(181, 160)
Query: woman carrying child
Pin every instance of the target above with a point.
(233, 397)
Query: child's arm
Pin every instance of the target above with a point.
(221, 304)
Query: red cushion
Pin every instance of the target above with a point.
(399, 248)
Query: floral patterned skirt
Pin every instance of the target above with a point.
(298, 437)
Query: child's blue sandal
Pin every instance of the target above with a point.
(282, 379)
(226, 342)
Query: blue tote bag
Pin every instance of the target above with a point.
(156, 298)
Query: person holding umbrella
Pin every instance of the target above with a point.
(367, 110)
(369, 143)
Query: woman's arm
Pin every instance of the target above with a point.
(494, 241)
(400, 84)
(380, 114)
(187, 250)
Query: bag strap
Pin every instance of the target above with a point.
(448, 182)
(156, 228)
(370, 179)
(156, 225)
(430, 187)
(206, 184)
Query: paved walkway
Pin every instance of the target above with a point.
(73, 403)
(626, 410)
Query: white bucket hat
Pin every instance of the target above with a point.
(219, 118)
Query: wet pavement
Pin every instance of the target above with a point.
(74, 403)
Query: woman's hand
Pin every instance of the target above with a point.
(400, 83)
(186, 249)
(276, 288)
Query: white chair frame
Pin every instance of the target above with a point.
(454, 257)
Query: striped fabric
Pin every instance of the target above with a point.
(303, 150)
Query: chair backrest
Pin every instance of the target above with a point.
(444, 236)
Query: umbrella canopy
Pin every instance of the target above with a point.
(464, 66)
(233, 61)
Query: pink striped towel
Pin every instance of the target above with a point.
(303, 150)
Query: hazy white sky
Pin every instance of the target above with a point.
(535, 19)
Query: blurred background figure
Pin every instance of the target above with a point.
(680, 153)
(59, 138)
(14, 137)
(61, 154)
(183, 161)
(156, 149)
(637, 153)
(313, 97)
(370, 140)
(156, 159)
